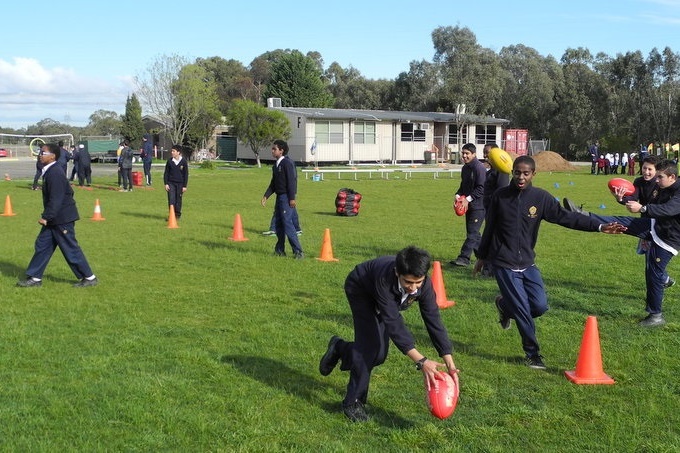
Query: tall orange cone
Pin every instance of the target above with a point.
(326, 247)
(172, 219)
(8, 208)
(97, 211)
(589, 363)
(438, 284)
(237, 235)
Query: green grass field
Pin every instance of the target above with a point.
(193, 342)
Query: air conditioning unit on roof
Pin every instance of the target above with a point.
(273, 102)
(424, 126)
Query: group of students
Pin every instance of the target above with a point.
(377, 290)
(60, 213)
(82, 164)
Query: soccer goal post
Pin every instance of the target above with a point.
(29, 144)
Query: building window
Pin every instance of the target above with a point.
(364, 132)
(411, 133)
(454, 135)
(485, 133)
(328, 131)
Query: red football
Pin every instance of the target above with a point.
(458, 206)
(615, 183)
(442, 400)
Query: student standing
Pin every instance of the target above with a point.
(284, 185)
(84, 166)
(126, 155)
(58, 225)
(176, 178)
(146, 154)
(377, 291)
(471, 189)
(509, 238)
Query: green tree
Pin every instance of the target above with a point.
(298, 81)
(197, 106)
(353, 91)
(471, 74)
(257, 126)
(530, 86)
(418, 89)
(232, 81)
(132, 126)
(104, 122)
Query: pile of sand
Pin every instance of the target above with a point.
(551, 161)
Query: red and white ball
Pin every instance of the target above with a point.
(442, 400)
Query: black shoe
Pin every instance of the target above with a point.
(653, 320)
(355, 412)
(299, 255)
(330, 359)
(503, 319)
(29, 283)
(535, 362)
(279, 253)
(571, 206)
(670, 282)
(85, 282)
(462, 262)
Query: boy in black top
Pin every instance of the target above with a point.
(509, 238)
(284, 184)
(377, 290)
(176, 178)
(473, 177)
(57, 225)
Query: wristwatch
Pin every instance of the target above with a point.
(643, 209)
(420, 363)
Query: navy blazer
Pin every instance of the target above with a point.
(375, 282)
(59, 207)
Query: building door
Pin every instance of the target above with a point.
(226, 147)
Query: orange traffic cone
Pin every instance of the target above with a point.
(326, 247)
(172, 220)
(97, 211)
(237, 235)
(589, 363)
(8, 208)
(438, 284)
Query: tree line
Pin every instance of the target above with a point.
(622, 101)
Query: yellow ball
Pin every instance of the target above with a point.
(500, 160)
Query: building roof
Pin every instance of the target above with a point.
(388, 115)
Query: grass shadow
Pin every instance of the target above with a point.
(279, 375)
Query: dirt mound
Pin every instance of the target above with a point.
(551, 161)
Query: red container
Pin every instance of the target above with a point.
(137, 178)
(516, 141)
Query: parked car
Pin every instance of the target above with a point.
(4, 152)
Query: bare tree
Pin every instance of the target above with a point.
(157, 94)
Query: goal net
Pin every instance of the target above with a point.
(29, 145)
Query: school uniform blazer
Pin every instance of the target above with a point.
(473, 177)
(375, 282)
(666, 212)
(512, 224)
(59, 207)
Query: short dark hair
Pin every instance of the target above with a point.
(413, 261)
(282, 145)
(54, 149)
(652, 160)
(470, 147)
(525, 160)
(667, 167)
